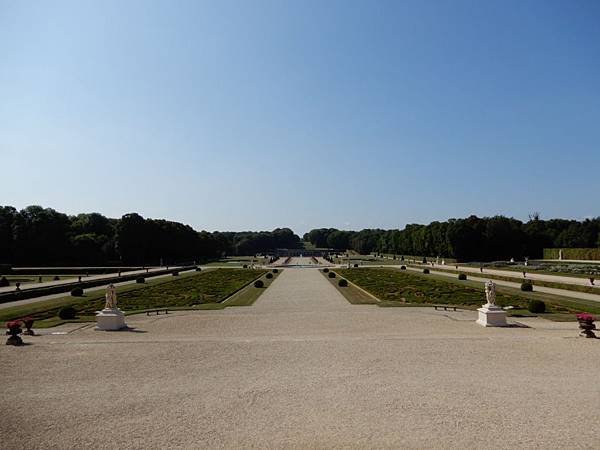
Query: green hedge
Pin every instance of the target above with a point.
(591, 254)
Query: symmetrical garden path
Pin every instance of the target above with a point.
(304, 369)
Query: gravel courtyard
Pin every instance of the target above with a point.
(303, 368)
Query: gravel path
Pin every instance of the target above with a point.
(302, 368)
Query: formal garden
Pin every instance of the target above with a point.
(397, 287)
(205, 289)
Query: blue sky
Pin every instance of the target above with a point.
(253, 115)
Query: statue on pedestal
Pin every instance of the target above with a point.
(110, 318)
(490, 314)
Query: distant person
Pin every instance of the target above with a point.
(524, 274)
(481, 269)
(592, 281)
(39, 279)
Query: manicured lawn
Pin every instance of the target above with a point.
(248, 295)
(396, 288)
(350, 292)
(27, 279)
(194, 290)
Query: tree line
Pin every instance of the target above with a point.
(469, 239)
(44, 236)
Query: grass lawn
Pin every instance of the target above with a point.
(28, 279)
(248, 295)
(191, 290)
(399, 288)
(351, 292)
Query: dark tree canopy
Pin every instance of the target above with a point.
(37, 235)
(469, 239)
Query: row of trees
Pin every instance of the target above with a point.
(470, 239)
(43, 236)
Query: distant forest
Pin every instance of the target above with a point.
(44, 236)
(470, 239)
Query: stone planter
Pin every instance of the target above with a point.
(587, 329)
(14, 329)
(28, 322)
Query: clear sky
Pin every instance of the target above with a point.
(252, 115)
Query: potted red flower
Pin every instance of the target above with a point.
(13, 331)
(586, 325)
(28, 322)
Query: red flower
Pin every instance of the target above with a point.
(13, 324)
(585, 317)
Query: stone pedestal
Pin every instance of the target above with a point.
(492, 316)
(110, 319)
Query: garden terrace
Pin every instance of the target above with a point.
(396, 288)
(195, 290)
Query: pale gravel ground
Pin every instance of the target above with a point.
(302, 368)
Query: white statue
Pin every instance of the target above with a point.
(111, 297)
(490, 293)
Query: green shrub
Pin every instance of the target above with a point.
(4, 282)
(176, 274)
(325, 270)
(77, 292)
(331, 275)
(67, 313)
(56, 278)
(462, 276)
(355, 265)
(526, 286)
(275, 270)
(259, 284)
(402, 267)
(245, 266)
(536, 306)
(425, 271)
(269, 275)
(343, 283)
(140, 280)
(198, 269)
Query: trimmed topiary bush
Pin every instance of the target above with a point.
(402, 267)
(325, 270)
(536, 306)
(269, 275)
(425, 271)
(355, 265)
(275, 270)
(4, 282)
(331, 275)
(526, 286)
(140, 280)
(198, 269)
(259, 284)
(462, 276)
(77, 292)
(343, 283)
(67, 313)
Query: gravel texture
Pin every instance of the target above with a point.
(302, 368)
